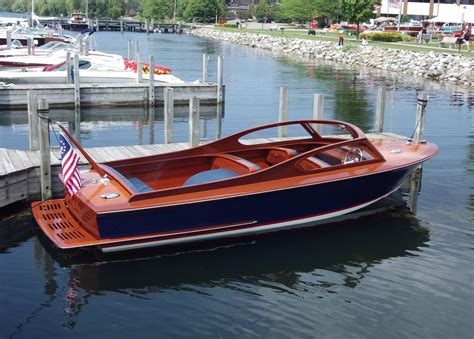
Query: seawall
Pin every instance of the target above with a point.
(443, 66)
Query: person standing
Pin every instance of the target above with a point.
(466, 37)
(312, 28)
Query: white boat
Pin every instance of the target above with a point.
(59, 56)
(88, 76)
(78, 21)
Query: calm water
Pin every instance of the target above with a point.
(395, 274)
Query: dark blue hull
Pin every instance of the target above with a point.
(253, 211)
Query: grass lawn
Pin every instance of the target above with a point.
(412, 46)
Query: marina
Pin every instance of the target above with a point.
(392, 269)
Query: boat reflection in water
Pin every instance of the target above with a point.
(350, 249)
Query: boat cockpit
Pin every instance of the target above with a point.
(233, 161)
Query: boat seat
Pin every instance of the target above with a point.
(137, 185)
(210, 176)
(311, 163)
(278, 154)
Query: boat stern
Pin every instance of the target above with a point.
(59, 225)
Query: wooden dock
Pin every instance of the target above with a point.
(20, 173)
(105, 95)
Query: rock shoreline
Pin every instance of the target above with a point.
(455, 69)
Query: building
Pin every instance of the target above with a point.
(422, 9)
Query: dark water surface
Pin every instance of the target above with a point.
(394, 274)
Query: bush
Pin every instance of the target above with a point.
(382, 36)
(229, 25)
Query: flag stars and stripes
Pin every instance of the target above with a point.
(69, 160)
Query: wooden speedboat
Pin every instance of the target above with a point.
(229, 188)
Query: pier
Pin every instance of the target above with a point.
(21, 178)
(105, 95)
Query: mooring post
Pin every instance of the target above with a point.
(151, 125)
(379, 113)
(147, 28)
(121, 25)
(220, 76)
(97, 24)
(283, 112)
(151, 82)
(86, 46)
(33, 120)
(129, 49)
(77, 83)
(45, 165)
(9, 39)
(318, 109)
(219, 113)
(193, 122)
(77, 124)
(139, 68)
(205, 67)
(169, 114)
(68, 68)
(81, 46)
(420, 116)
(29, 44)
(152, 26)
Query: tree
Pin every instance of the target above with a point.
(206, 9)
(357, 11)
(294, 10)
(157, 9)
(263, 10)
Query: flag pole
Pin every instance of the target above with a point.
(86, 155)
(399, 14)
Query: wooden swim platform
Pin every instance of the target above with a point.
(20, 171)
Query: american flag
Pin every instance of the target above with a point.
(69, 159)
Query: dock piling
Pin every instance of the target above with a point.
(87, 46)
(139, 68)
(68, 68)
(33, 122)
(318, 109)
(129, 49)
(421, 103)
(193, 122)
(205, 68)
(168, 114)
(121, 25)
(219, 114)
(283, 112)
(45, 165)
(77, 86)
(379, 113)
(147, 27)
(9, 39)
(220, 75)
(29, 44)
(151, 82)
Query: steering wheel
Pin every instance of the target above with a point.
(353, 155)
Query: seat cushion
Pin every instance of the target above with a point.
(210, 176)
(139, 186)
